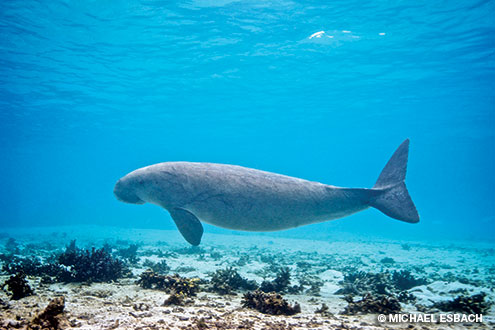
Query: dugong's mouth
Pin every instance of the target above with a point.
(126, 193)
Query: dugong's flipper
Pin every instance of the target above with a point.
(189, 226)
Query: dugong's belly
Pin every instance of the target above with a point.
(270, 215)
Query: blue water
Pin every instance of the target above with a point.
(91, 90)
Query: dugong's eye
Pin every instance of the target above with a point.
(140, 181)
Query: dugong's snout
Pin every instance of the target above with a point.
(125, 192)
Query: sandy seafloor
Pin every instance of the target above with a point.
(125, 305)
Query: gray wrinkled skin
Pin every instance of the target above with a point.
(240, 198)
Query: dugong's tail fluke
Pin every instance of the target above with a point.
(394, 200)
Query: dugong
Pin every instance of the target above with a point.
(241, 198)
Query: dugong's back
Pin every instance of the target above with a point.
(240, 198)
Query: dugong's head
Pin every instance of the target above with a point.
(128, 188)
